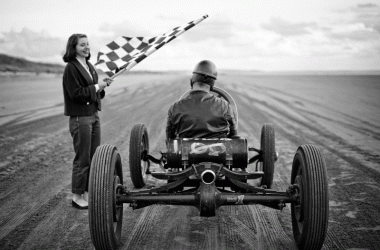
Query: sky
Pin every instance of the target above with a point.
(265, 35)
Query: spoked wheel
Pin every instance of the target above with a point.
(268, 154)
(105, 213)
(138, 149)
(310, 215)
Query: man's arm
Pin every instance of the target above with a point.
(231, 121)
(169, 126)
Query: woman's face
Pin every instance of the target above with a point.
(83, 47)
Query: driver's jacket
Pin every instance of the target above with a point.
(200, 115)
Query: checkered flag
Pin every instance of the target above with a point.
(125, 52)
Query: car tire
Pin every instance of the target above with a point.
(268, 154)
(105, 214)
(138, 147)
(310, 214)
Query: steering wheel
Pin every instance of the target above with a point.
(218, 92)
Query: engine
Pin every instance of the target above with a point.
(185, 152)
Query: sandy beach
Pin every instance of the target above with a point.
(338, 113)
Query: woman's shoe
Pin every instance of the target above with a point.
(74, 204)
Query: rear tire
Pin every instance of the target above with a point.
(310, 215)
(138, 146)
(268, 154)
(105, 213)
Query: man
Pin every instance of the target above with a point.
(201, 114)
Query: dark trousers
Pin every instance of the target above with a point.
(85, 131)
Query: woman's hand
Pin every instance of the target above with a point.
(108, 81)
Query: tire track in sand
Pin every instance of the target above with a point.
(32, 216)
(271, 223)
(142, 229)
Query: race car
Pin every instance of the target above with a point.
(208, 174)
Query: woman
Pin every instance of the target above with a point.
(82, 94)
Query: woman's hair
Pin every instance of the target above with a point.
(70, 53)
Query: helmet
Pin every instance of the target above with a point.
(207, 68)
(205, 72)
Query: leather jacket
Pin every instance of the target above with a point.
(200, 115)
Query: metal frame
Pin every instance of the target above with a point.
(206, 182)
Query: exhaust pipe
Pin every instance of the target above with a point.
(207, 197)
(208, 177)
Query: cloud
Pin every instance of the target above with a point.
(37, 46)
(218, 29)
(371, 20)
(359, 34)
(355, 31)
(368, 14)
(285, 28)
(214, 29)
(367, 5)
(125, 28)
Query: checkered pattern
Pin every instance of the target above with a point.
(126, 52)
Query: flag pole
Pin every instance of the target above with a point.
(132, 64)
(118, 73)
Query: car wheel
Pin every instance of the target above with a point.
(268, 154)
(105, 213)
(138, 148)
(310, 214)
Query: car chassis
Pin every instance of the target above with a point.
(207, 174)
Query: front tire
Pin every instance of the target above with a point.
(138, 148)
(105, 213)
(310, 215)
